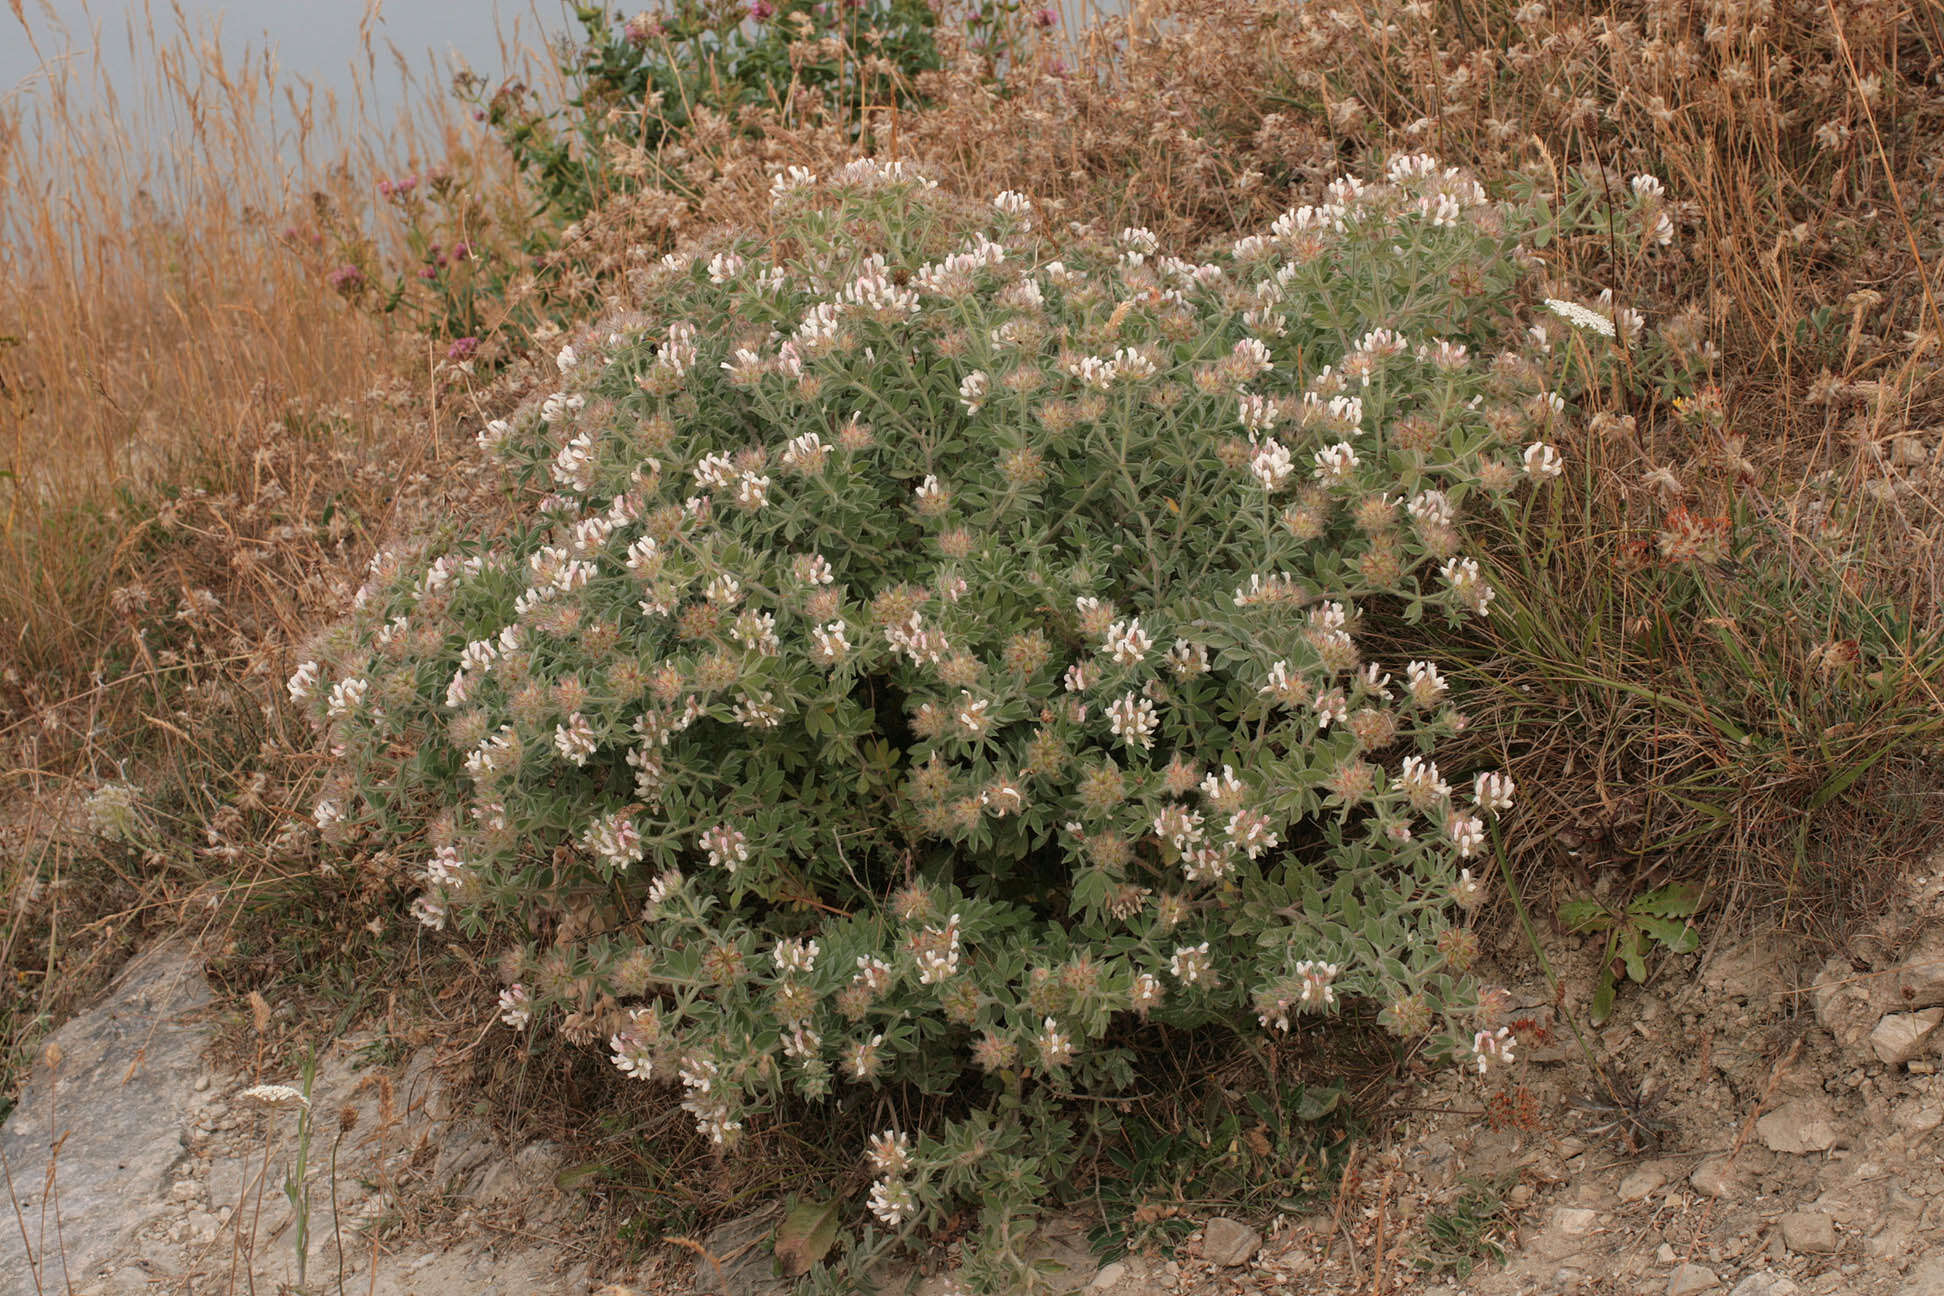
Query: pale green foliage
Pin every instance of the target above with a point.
(936, 655)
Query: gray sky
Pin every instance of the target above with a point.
(318, 40)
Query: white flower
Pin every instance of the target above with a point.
(1468, 583)
(1427, 686)
(1146, 991)
(874, 974)
(890, 1152)
(1191, 964)
(567, 358)
(1126, 643)
(575, 739)
(1258, 413)
(516, 1006)
(1468, 891)
(752, 491)
(1421, 784)
(631, 1056)
(1542, 462)
(1271, 464)
(929, 490)
(828, 644)
(723, 267)
(1186, 659)
(1133, 720)
(1467, 833)
(805, 453)
(795, 956)
(1431, 507)
(1013, 204)
(1581, 317)
(303, 682)
(1335, 463)
(1224, 787)
(892, 1202)
(1055, 1045)
(1492, 1048)
(972, 390)
(1648, 187)
(714, 471)
(791, 179)
(1179, 826)
(273, 1095)
(1318, 994)
(1249, 831)
(971, 714)
(1493, 792)
(937, 952)
(1252, 357)
(346, 696)
(726, 847)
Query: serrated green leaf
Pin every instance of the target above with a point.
(1678, 937)
(1584, 915)
(1675, 900)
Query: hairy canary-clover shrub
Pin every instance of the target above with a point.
(927, 655)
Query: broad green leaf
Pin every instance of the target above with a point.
(1584, 915)
(805, 1236)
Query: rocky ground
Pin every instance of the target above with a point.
(1779, 1137)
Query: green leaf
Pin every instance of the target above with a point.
(1675, 900)
(1316, 1103)
(575, 1175)
(805, 1236)
(1584, 915)
(1678, 937)
(1633, 947)
(1603, 1000)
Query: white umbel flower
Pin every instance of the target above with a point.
(1580, 317)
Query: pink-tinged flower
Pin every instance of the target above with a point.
(346, 279)
(462, 348)
(761, 10)
(1046, 18)
(1493, 1048)
(641, 29)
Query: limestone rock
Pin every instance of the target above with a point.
(111, 1112)
(1900, 1037)
(1641, 1184)
(1919, 978)
(1844, 1005)
(1690, 1279)
(1576, 1221)
(1766, 1283)
(1809, 1233)
(1109, 1276)
(1716, 1177)
(1800, 1126)
(1229, 1242)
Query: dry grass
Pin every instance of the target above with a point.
(199, 446)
